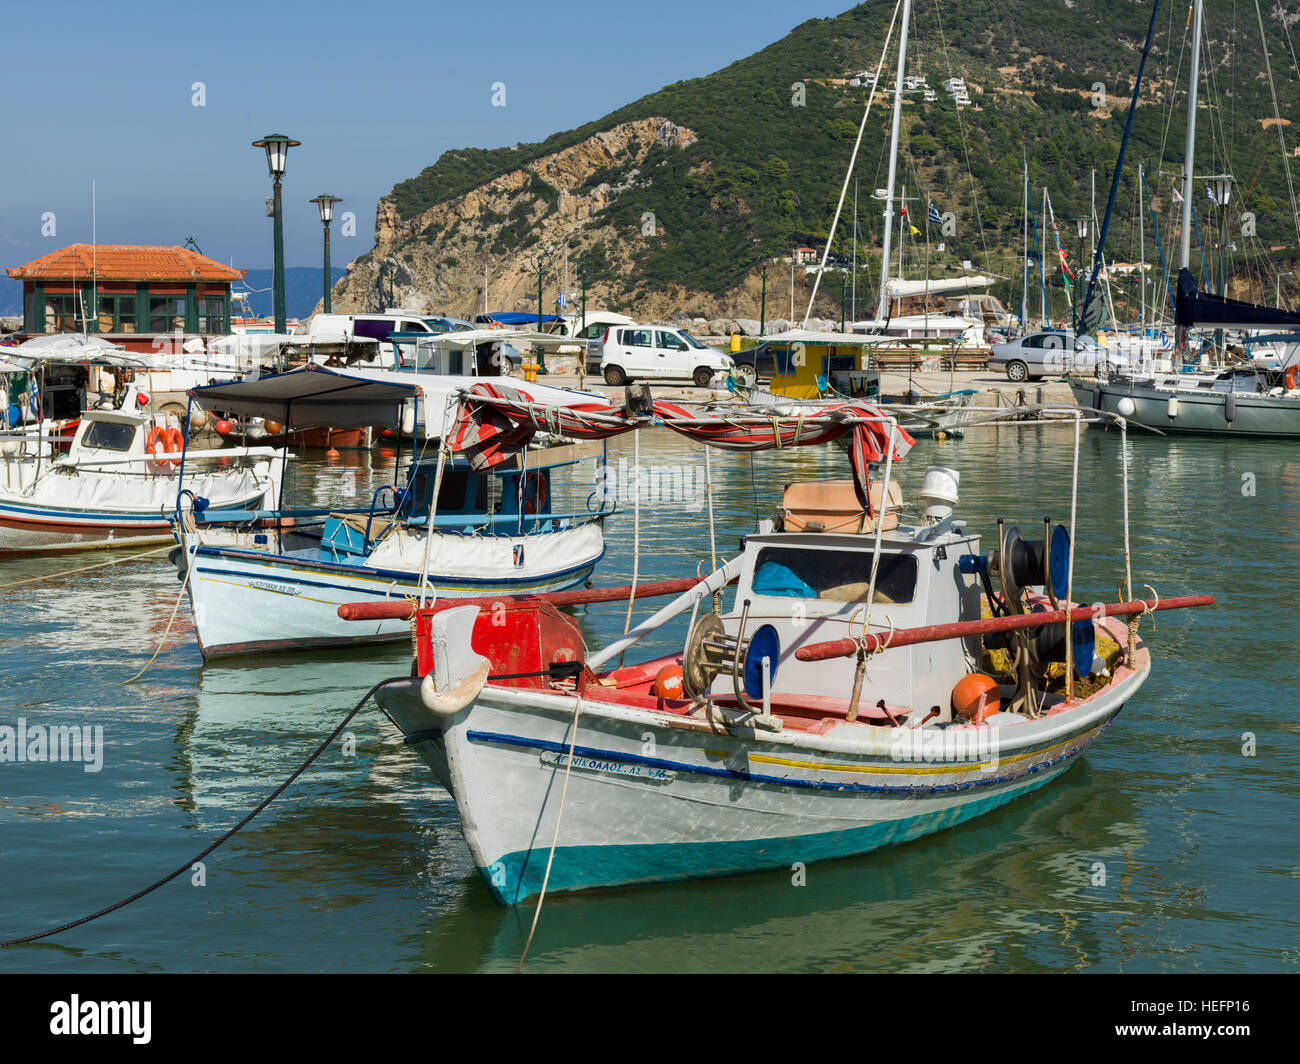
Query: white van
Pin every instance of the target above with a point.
(379, 326)
(658, 351)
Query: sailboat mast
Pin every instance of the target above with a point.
(1024, 252)
(882, 310)
(1189, 150)
(853, 296)
(1142, 259)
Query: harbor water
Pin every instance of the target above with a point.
(1171, 846)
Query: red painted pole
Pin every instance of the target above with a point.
(902, 637)
(403, 609)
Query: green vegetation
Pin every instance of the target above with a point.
(765, 173)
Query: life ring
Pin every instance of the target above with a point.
(495, 325)
(1291, 377)
(170, 440)
(173, 443)
(535, 492)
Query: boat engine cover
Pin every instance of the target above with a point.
(517, 636)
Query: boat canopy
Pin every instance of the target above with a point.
(73, 349)
(516, 317)
(1208, 311)
(315, 395)
(353, 398)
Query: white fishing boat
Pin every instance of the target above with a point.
(119, 482)
(875, 679)
(273, 579)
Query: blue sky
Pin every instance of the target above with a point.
(375, 92)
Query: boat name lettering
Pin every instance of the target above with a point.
(612, 768)
(266, 585)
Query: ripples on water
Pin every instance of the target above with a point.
(361, 866)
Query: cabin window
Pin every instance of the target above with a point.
(212, 315)
(117, 314)
(62, 314)
(833, 576)
(638, 337)
(166, 314)
(108, 436)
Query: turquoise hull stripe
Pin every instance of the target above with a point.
(518, 876)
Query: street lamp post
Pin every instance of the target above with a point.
(541, 266)
(765, 264)
(1081, 228)
(326, 206)
(1222, 184)
(277, 147)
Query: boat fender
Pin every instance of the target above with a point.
(1292, 376)
(1171, 407)
(976, 697)
(1127, 408)
(449, 703)
(1096, 397)
(1229, 408)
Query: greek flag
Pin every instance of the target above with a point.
(561, 302)
(934, 214)
(1210, 192)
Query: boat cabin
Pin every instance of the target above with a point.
(806, 576)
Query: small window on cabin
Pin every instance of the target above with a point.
(108, 436)
(454, 487)
(833, 576)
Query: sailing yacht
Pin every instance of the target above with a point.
(1244, 400)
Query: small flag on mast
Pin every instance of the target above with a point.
(1210, 192)
(934, 214)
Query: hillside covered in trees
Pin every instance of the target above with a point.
(668, 203)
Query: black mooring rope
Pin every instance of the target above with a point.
(190, 863)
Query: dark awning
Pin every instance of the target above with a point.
(314, 395)
(1209, 311)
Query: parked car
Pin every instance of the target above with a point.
(1053, 354)
(763, 362)
(648, 352)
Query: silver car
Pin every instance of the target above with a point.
(1054, 354)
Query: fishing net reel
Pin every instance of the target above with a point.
(752, 663)
(1009, 574)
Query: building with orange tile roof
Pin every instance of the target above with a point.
(126, 292)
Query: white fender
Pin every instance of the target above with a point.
(449, 703)
(458, 673)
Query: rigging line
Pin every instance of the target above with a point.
(871, 96)
(85, 568)
(1174, 96)
(965, 147)
(189, 865)
(1281, 138)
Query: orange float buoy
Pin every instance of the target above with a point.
(273, 428)
(976, 697)
(668, 682)
(222, 427)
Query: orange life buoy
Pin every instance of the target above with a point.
(155, 436)
(1291, 376)
(535, 492)
(173, 443)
